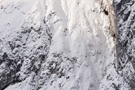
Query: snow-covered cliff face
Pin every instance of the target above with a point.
(58, 45)
(126, 40)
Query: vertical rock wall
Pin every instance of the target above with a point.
(125, 12)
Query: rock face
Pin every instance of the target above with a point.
(126, 40)
(66, 45)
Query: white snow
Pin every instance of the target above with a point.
(79, 30)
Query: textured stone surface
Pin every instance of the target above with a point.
(125, 11)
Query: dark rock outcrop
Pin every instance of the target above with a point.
(125, 39)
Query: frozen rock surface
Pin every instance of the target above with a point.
(66, 45)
